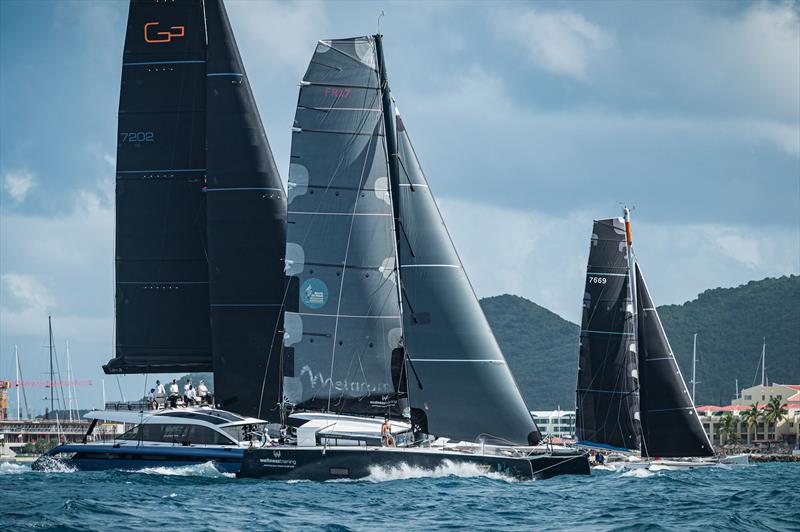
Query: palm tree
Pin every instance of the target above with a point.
(727, 429)
(751, 418)
(775, 413)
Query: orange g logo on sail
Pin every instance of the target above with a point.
(151, 35)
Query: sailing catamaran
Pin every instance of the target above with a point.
(631, 396)
(200, 210)
(381, 320)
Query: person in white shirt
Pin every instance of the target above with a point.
(191, 396)
(186, 386)
(173, 393)
(160, 389)
(202, 392)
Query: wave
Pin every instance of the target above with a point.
(204, 470)
(48, 464)
(10, 468)
(447, 469)
(638, 473)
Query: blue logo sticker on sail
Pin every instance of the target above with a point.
(314, 293)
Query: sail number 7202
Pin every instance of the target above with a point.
(597, 280)
(137, 136)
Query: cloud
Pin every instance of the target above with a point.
(761, 49)
(27, 290)
(561, 42)
(18, 183)
(543, 257)
(67, 260)
(286, 31)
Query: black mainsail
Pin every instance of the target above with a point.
(344, 323)
(366, 333)
(630, 391)
(162, 313)
(201, 218)
(608, 390)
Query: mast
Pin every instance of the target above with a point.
(634, 316)
(736, 395)
(19, 384)
(52, 378)
(764, 362)
(390, 127)
(694, 365)
(103, 384)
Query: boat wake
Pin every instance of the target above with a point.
(47, 464)
(447, 469)
(205, 470)
(9, 468)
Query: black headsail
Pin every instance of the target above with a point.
(458, 381)
(607, 393)
(670, 425)
(246, 230)
(162, 316)
(344, 324)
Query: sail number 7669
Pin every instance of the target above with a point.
(597, 280)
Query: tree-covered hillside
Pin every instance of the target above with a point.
(730, 324)
(542, 348)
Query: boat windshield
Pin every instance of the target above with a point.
(175, 433)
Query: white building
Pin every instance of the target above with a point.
(557, 423)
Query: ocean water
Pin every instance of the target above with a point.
(759, 497)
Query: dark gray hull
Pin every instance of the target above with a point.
(319, 464)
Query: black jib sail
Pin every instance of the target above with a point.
(340, 254)
(246, 231)
(670, 425)
(162, 314)
(607, 393)
(459, 383)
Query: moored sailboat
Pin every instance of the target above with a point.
(631, 396)
(381, 321)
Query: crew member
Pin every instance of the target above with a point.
(202, 392)
(191, 396)
(386, 434)
(173, 393)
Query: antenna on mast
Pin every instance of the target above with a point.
(379, 21)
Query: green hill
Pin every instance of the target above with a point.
(542, 348)
(730, 324)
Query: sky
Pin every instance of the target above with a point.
(530, 120)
